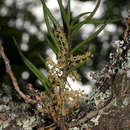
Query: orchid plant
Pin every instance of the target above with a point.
(60, 101)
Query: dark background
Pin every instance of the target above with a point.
(11, 16)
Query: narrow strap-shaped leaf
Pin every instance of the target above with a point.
(88, 39)
(49, 28)
(79, 25)
(69, 11)
(63, 12)
(50, 44)
(78, 17)
(95, 9)
(55, 22)
(37, 73)
(76, 27)
(93, 21)
(43, 62)
(47, 11)
(96, 21)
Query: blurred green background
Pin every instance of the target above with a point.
(18, 19)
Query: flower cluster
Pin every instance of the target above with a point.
(62, 98)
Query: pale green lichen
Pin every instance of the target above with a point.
(95, 120)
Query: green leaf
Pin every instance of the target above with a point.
(55, 22)
(88, 39)
(78, 17)
(96, 21)
(37, 73)
(47, 11)
(43, 62)
(63, 13)
(69, 11)
(95, 9)
(50, 44)
(49, 28)
(79, 25)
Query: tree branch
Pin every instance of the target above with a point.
(13, 78)
(92, 114)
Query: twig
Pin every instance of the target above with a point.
(11, 74)
(50, 126)
(91, 114)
